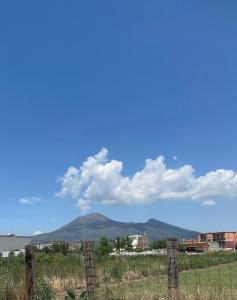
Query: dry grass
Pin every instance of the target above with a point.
(144, 278)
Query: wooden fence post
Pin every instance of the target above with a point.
(90, 259)
(173, 267)
(29, 272)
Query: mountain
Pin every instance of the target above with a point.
(94, 226)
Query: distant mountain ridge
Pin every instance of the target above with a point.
(94, 226)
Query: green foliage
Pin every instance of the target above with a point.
(159, 244)
(128, 244)
(83, 295)
(7, 291)
(104, 247)
(182, 247)
(60, 247)
(123, 243)
(44, 258)
(70, 294)
(145, 272)
(123, 272)
(11, 255)
(46, 249)
(116, 272)
(43, 290)
(208, 259)
(118, 244)
(21, 256)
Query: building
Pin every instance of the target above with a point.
(219, 240)
(44, 245)
(75, 245)
(9, 243)
(139, 241)
(72, 245)
(192, 245)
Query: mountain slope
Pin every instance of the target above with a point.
(94, 226)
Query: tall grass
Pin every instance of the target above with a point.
(124, 276)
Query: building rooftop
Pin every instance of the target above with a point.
(13, 235)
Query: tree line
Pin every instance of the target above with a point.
(104, 247)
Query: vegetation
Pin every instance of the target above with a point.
(159, 244)
(44, 290)
(57, 247)
(104, 247)
(144, 277)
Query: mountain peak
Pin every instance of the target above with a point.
(93, 226)
(92, 218)
(152, 220)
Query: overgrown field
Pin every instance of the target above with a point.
(207, 276)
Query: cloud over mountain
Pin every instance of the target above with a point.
(101, 180)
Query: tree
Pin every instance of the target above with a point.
(128, 244)
(104, 247)
(11, 255)
(118, 244)
(159, 244)
(123, 243)
(60, 247)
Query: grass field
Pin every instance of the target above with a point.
(219, 282)
(211, 276)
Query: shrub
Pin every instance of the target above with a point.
(70, 294)
(43, 290)
(7, 291)
(104, 247)
(44, 258)
(116, 273)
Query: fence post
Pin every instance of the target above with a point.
(173, 267)
(90, 258)
(29, 272)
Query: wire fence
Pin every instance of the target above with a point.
(172, 275)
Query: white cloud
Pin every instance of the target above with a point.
(100, 180)
(29, 200)
(37, 232)
(175, 158)
(84, 205)
(208, 203)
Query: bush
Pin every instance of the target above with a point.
(60, 247)
(44, 258)
(43, 290)
(104, 247)
(116, 273)
(7, 291)
(159, 244)
(70, 294)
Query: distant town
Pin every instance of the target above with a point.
(140, 244)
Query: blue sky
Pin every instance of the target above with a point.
(140, 78)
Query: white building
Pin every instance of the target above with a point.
(13, 243)
(139, 241)
(135, 239)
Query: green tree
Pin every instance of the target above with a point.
(11, 255)
(118, 244)
(104, 247)
(128, 244)
(159, 244)
(60, 247)
(123, 243)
